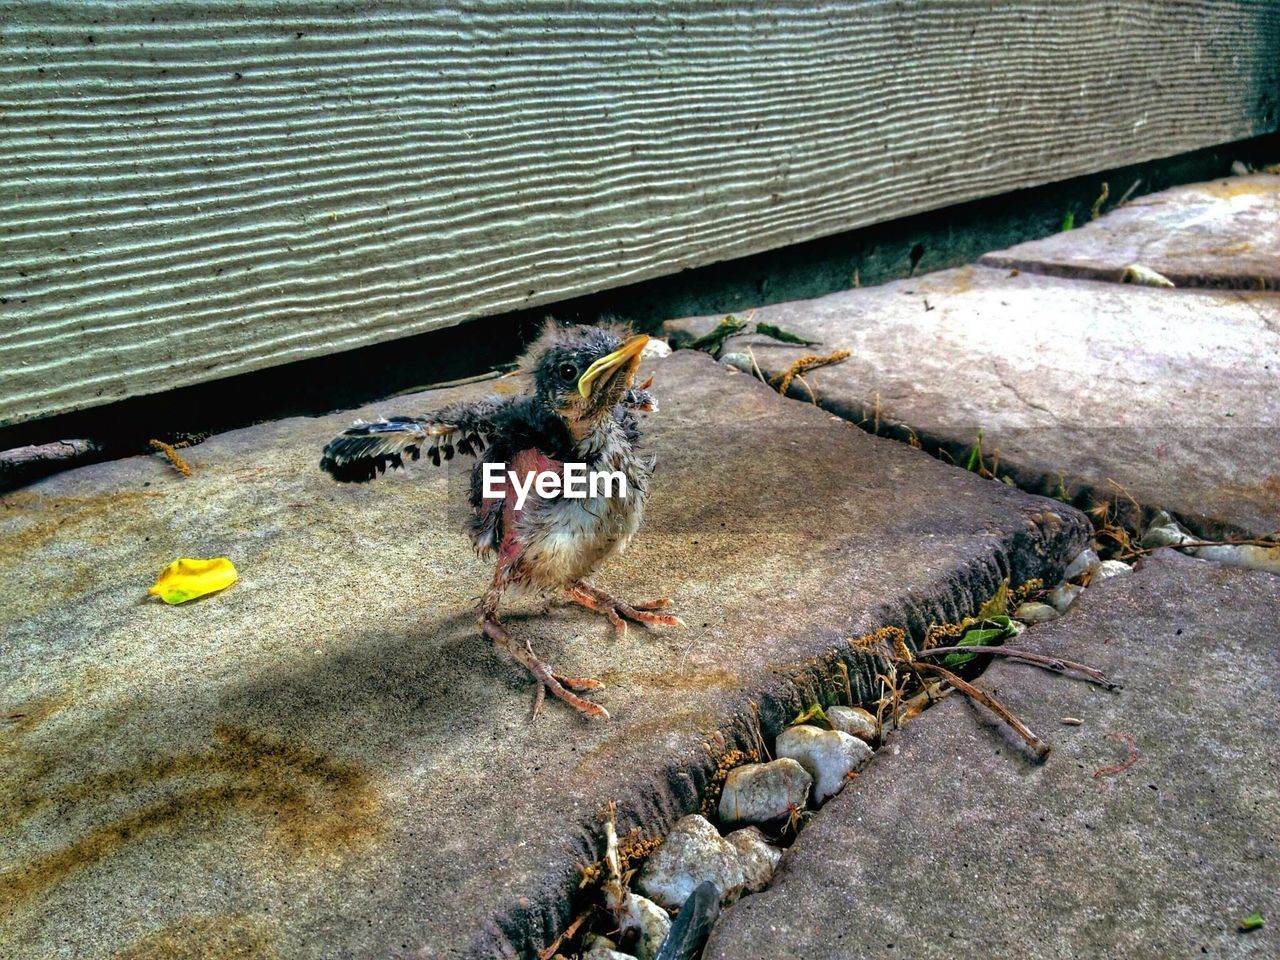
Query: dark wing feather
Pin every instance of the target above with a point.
(367, 449)
(360, 453)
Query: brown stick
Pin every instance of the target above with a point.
(1193, 544)
(569, 931)
(1056, 664)
(1038, 746)
(25, 462)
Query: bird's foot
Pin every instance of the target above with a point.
(619, 611)
(560, 685)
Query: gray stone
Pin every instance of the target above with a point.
(1084, 562)
(1035, 612)
(1165, 395)
(757, 859)
(1144, 276)
(330, 752)
(853, 720)
(693, 852)
(1216, 234)
(1111, 568)
(760, 792)
(829, 756)
(593, 940)
(1072, 857)
(1063, 596)
(1251, 556)
(604, 953)
(1164, 531)
(651, 923)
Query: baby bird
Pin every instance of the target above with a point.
(582, 411)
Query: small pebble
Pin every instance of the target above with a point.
(1063, 596)
(1084, 561)
(1249, 556)
(756, 857)
(650, 921)
(854, 721)
(1144, 276)
(1033, 612)
(1110, 568)
(593, 940)
(828, 756)
(604, 953)
(1164, 531)
(693, 852)
(739, 361)
(655, 348)
(760, 792)
(696, 918)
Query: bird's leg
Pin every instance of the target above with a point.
(559, 684)
(619, 611)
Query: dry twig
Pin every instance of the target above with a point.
(1038, 746)
(569, 933)
(1124, 198)
(1056, 664)
(1193, 544)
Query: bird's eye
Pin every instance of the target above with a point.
(568, 372)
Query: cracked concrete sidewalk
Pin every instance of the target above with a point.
(954, 843)
(1081, 387)
(328, 760)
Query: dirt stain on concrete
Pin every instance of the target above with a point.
(22, 719)
(314, 805)
(36, 518)
(225, 936)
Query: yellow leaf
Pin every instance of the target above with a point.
(187, 579)
(998, 605)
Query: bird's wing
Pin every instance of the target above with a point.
(367, 448)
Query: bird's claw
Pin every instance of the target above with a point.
(559, 685)
(619, 611)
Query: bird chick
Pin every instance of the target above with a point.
(582, 411)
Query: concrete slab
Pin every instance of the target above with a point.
(954, 843)
(326, 759)
(1224, 233)
(1171, 394)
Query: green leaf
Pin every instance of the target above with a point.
(1253, 921)
(815, 712)
(1068, 222)
(985, 633)
(998, 605)
(714, 341)
(786, 336)
(974, 462)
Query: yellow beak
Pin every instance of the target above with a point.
(627, 354)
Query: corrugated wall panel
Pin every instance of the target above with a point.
(192, 190)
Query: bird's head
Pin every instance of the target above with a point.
(581, 373)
